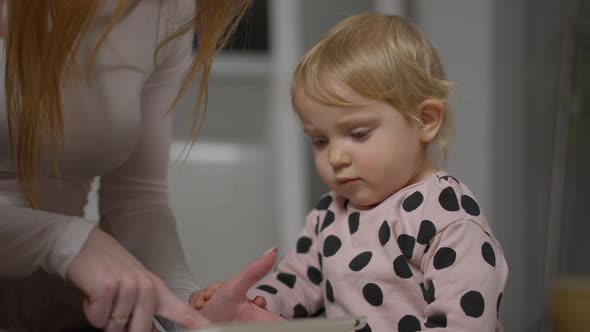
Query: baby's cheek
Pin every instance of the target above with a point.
(373, 164)
(325, 174)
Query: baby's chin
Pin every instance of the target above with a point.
(364, 203)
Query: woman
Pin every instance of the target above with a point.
(89, 85)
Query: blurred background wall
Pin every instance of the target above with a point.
(249, 180)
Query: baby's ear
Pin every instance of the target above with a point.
(431, 112)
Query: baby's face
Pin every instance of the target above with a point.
(365, 153)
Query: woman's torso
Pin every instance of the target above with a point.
(102, 117)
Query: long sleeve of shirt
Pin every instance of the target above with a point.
(31, 240)
(116, 127)
(463, 251)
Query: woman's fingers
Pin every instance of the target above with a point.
(145, 306)
(172, 308)
(120, 291)
(98, 307)
(123, 307)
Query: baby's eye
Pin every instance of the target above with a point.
(319, 142)
(360, 134)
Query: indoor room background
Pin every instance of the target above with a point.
(248, 181)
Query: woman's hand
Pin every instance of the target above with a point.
(230, 303)
(121, 294)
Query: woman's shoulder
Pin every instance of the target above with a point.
(174, 14)
(168, 16)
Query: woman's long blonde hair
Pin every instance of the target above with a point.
(42, 40)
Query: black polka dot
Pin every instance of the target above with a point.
(401, 267)
(498, 305)
(317, 225)
(428, 291)
(448, 199)
(470, 205)
(444, 257)
(488, 253)
(447, 177)
(473, 304)
(303, 245)
(360, 261)
(314, 275)
(299, 311)
(346, 204)
(365, 328)
(320, 311)
(373, 294)
(426, 232)
(384, 233)
(331, 245)
(424, 292)
(324, 203)
(329, 291)
(413, 201)
(439, 320)
(320, 260)
(268, 289)
(328, 220)
(287, 279)
(406, 244)
(409, 323)
(353, 222)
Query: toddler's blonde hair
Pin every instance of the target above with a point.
(381, 57)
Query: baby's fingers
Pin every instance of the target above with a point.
(196, 299)
(199, 303)
(210, 290)
(260, 302)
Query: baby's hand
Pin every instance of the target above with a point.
(199, 297)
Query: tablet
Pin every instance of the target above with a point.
(332, 324)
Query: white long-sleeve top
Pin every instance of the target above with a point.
(116, 128)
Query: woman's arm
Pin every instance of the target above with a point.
(133, 200)
(32, 240)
